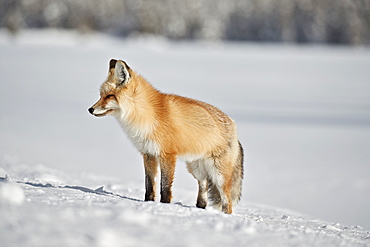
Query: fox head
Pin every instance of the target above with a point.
(119, 78)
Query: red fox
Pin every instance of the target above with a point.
(164, 127)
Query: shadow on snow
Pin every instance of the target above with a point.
(98, 191)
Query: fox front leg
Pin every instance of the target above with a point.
(151, 168)
(167, 165)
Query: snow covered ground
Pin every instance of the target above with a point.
(47, 208)
(303, 116)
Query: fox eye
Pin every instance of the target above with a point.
(110, 96)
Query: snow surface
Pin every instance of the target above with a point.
(51, 210)
(303, 116)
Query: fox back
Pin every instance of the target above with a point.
(164, 127)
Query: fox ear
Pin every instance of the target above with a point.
(121, 72)
(112, 64)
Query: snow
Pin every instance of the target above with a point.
(69, 179)
(11, 193)
(111, 215)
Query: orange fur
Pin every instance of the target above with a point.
(164, 127)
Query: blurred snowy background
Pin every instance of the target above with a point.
(303, 112)
(301, 21)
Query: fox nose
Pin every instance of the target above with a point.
(91, 110)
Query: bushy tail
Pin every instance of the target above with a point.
(236, 191)
(237, 177)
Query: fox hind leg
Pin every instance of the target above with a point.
(202, 193)
(221, 196)
(227, 204)
(220, 187)
(196, 168)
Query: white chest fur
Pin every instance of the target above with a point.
(139, 136)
